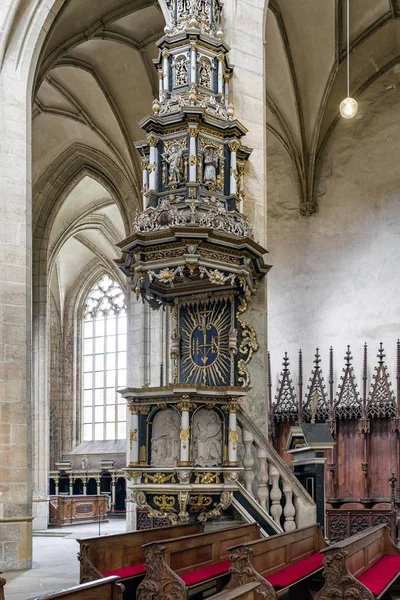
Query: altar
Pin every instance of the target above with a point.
(79, 509)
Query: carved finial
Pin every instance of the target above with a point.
(300, 367)
(269, 383)
(348, 357)
(381, 355)
(317, 358)
(331, 364)
(365, 363)
(285, 363)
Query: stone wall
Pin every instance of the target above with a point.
(335, 275)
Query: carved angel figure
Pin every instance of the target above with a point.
(207, 438)
(205, 72)
(174, 158)
(165, 439)
(181, 71)
(210, 164)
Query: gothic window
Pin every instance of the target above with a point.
(181, 71)
(104, 362)
(205, 72)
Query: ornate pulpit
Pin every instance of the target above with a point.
(192, 253)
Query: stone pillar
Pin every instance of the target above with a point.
(98, 486)
(15, 322)
(233, 435)
(71, 486)
(221, 74)
(165, 55)
(192, 154)
(184, 407)
(234, 147)
(145, 180)
(57, 485)
(113, 483)
(84, 481)
(133, 448)
(193, 63)
(153, 141)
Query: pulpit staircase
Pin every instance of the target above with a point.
(268, 492)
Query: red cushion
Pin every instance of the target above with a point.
(381, 573)
(127, 571)
(207, 573)
(296, 572)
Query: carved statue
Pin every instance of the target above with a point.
(210, 165)
(207, 432)
(205, 72)
(165, 439)
(174, 158)
(84, 463)
(181, 71)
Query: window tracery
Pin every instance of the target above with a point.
(104, 362)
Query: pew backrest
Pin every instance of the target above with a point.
(272, 554)
(110, 552)
(104, 589)
(365, 548)
(198, 551)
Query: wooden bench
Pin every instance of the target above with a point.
(363, 566)
(122, 554)
(279, 562)
(182, 566)
(104, 589)
(2, 584)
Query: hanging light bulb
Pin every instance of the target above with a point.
(348, 107)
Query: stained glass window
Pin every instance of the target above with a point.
(104, 362)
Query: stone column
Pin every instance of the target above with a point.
(57, 485)
(165, 55)
(184, 407)
(233, 435)
(234, 147)
(220, 74)
(145, 180)
(84, 481)
(71, 485)
(192, 154)
(153, 141)
(193, 63)
(133, 448)
(98, 486)
(113, 483)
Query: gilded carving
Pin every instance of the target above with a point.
(159, 478)
(207, 478)
(198, 503)
(233, 436)
(132, 437)
(165, 503)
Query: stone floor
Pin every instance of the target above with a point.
(55, 565)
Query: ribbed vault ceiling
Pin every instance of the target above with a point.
(306, 71)
(95, 82)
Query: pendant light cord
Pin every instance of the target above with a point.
(348, 48)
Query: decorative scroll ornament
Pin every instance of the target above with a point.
(233, 437)
(285, 407)
(199, 503)
(165, 503)
(88, 570)
(316, 405)
(159, 478)
(184, 436)
(247, 346)
(242, 572)
(207, 478)
(140, 498)
(160, 582)
(339, 583)
(218, 218)
(223, 504)
(348, 404)
(381, 401)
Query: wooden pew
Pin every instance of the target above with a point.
(279, 562)
(363, 566)
(104, 589)
(244, 592)
(122, 554)
(181, 566)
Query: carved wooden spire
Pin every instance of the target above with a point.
(348, 403)
(285, 407)
(381, 401)
(316, 406)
